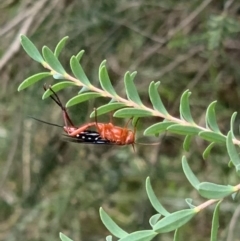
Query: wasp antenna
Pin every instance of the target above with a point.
(55, 98)
(59, 103)
(133, 147)
(148, 144)
(45, 122)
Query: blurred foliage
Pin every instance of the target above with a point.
(47, 185)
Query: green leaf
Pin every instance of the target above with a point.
(105, 81)
(78, 71)
(214, 191)
(82, 97)
(131, 90)
(60, 46)
(133, 75)
(144, 235)
(211, 121)
(132, 112)
(234, 195)
(109, 238)
(83, 89)
(58, 76)
(57, 87)
(111, 225)
(176, 235)
(107, 108)
(189, 174)
(212, 136)
(232, 123)
(232, 152)
(79, 55)
(208, 150)
(157, 128)
(103, 63)
(238, 169)
(183, 130)
(153, 199)
(153, 220)
(187, 142)
(31, 49)
(63, 237)
(51, 59)
(215, 222)
(185, 111)
(156, 99)
(33, 79)
(174, 220)
(189, 202)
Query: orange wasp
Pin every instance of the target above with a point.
(106, 133)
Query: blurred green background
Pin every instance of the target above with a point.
(47, 185)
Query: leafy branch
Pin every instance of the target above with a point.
(184, 125)
(132, 106)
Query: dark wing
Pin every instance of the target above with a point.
(87, 137)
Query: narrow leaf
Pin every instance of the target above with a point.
(189, 202)
(82, 97)
(133, 75)
(144, 235)
(31, 49)
(174, 221)
(187, 142)
(63, 237)
(153, 199)
(111, 225)
(107, 108)
(238, 169)
(215, 222)
(51, 59)
(176, 235)
(83, 89)
(212, 136)
(183, 130)
(185, 111)
(131, 90)
(79, 55)
(153, 220)
(211, 121)
(231, 149)
(78, 71)
(232, 123)
(214, 191)
(103, 63)
(60, 46)
(156, 99)
(208, 150)
(132, 112)
(58, 76)
(33, 79)
(57, 87)
(157, 128)
(189, 174)
(106, 82)
(109, 238)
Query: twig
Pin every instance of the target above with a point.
(11, 155)
(172, 32)
(25, 13)
(180, 59)
(232, 224)
(26, 156)
(15, 46)
(228, 4)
